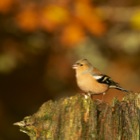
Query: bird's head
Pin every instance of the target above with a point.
(82, 65)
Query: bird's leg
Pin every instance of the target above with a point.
(87, 95)
(103, 96)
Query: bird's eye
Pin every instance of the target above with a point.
(81, 64)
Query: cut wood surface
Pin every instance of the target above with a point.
(77, 118)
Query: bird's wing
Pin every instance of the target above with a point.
(105, 80)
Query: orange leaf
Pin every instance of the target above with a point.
(6, 5)
(72, 34)
(54, 16)
(89, 18)
(27, 19)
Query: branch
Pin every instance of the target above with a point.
(77, 118)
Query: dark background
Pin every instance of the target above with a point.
(40, 40)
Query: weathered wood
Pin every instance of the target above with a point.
(77, 118)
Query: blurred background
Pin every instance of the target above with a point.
(41, 39)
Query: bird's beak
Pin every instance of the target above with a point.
(74, 66)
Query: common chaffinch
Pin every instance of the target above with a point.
(91, 80)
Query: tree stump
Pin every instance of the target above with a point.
(77, 118)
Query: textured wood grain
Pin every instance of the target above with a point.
(77, 118)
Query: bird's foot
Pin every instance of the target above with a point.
(88, 95)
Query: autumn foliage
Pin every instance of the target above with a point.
(41, 39)
(72, 19)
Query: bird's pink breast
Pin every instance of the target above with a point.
(87, 83)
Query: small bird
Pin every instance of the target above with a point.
(91, 80)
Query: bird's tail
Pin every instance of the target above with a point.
(107, 80)
(118, 87)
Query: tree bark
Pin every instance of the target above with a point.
(77, 118)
